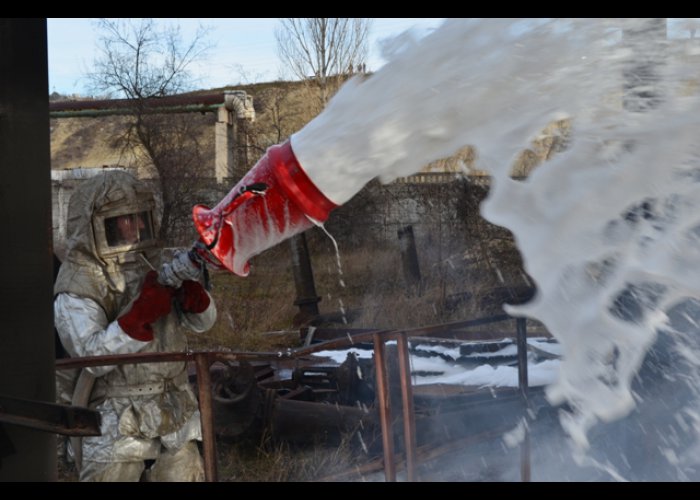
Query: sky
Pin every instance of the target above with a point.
(244, 49)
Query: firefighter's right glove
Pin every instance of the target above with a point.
(181, 268)
(154, 302)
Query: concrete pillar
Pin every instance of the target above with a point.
(61, 192)
(225, 133)
(26, 280)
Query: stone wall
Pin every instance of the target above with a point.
(450, 234)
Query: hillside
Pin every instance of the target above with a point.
(90, 142)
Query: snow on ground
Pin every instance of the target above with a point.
(445, 367)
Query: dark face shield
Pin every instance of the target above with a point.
(124, 232)
(128, 229)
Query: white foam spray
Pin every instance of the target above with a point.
(616, 213)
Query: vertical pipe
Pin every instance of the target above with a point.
(207, 416)
(525, 471)
(409, 423)
(521, 335)
(409, 256)
(521, 342)
(384, 408)
(307, 300)
(26, 255)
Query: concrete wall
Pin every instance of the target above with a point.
(440, 207)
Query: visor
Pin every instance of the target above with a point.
(117, 233)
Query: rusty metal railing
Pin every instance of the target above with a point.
(202, 362)
(204, 359)
(384, 403)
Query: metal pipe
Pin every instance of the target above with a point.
(307, 299)
(234, 103)
(202, 362)
(525, 469)
(163, 357)
(409, 256)
(92, 113)
(384, 408)
(409, 422)
(202, 103)
(50, 417)
(159, 357)
(218, 98)
(521, 340)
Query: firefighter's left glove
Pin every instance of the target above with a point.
(192, 297)
(154, 302)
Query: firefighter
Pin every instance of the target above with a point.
(109, 300)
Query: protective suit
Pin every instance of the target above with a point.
(108, 301)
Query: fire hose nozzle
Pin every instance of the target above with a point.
(273, 202)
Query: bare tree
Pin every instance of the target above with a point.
(281, 111)
(172, 145)
(323, 50)
(139, 60)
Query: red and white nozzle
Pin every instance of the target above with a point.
(274, 201)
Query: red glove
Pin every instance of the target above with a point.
(192, 297)
(154, 301)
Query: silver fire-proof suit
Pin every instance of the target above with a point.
(148, 410)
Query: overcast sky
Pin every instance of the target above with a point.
(244, 49)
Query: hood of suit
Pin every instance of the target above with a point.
(96, 264)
